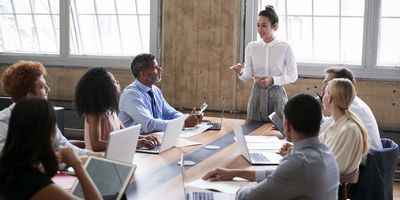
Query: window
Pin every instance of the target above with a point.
(101, 32)
(356, 34)
(389, 40)
(29, 26)
(109, 27)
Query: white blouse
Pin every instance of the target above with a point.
(274, 59)
(345, 140)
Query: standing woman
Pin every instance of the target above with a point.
(96, 96)
(270, 64)
(28, 162)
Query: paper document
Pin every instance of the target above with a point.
(199, 128)
(260, 138)
(222, 186)
(265, 145)
(182, 142)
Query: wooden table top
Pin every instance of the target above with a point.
(158, 176)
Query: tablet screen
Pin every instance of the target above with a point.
(110, 177)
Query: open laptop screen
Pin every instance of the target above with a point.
(277, 121)
(110, 177)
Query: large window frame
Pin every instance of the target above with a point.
(64, 58)
(368, 68)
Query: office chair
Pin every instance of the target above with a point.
(376, 177)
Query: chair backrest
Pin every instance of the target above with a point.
(376, 177)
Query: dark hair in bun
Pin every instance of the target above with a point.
(270, 13)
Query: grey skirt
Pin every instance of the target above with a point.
(263, 101)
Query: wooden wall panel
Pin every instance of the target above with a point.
(203, 58)
(168, 52)
(206, 43)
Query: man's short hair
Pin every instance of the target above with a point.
(19, 79)
(140, 63)
(303, 112)
(341, 72)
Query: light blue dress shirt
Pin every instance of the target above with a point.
(309, 171)
(135, 108)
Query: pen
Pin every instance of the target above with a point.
(319, 96)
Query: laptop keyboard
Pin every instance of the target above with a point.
(200, 196)
(258, 157)
(215, 126)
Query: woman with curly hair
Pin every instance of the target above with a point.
(96, 97)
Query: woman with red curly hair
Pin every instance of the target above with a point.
(22, 79)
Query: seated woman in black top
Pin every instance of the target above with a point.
(28, 161)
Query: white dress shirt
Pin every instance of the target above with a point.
(274, 59)
(345, 140)
(364, 113)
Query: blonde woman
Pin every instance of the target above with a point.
(346, 137)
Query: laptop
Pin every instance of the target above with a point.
(277, 122)
(254, 157)
(199, 195)
(110, 177)
(215, 125)
(170, 137)
(122, 144)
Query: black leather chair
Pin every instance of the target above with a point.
(376, 177)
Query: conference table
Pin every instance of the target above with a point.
(158, 176)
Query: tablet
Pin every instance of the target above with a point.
(111, 177)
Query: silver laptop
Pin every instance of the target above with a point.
(199, 195)
(277, 122)
(110, 177)
(170, 137)
(254, 157)
(122, 144)
(215, 125)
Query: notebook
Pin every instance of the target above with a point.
(170, 137)
(110, 177)
(122, 144)
(254, 157)
(277, 122)
(199, 195)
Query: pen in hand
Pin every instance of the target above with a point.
(319, 96)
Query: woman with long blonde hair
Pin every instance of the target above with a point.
(346, 137)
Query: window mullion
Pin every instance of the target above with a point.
(78, 34)
(53, 25)
(35, 26)
(371, 32)
(17, 25)
(119, 27)
(286, 22)
(64, 27)
(341, 59)
(313, 31)
(139, 27)
(98, 25)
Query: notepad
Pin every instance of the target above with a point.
(221, 186)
